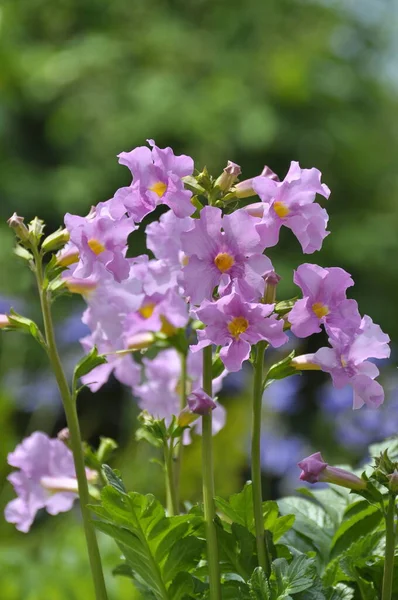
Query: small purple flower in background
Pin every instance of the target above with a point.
(235, 325)
(157, 179)
(324, 301)
(291, 203)
(46, 479)
(200, 403)
(221, 250)
(101, 243)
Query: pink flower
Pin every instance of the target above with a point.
(200, 403)
(157, 179)
(163, 237)
(235, 325)
(324, 301)
(46, 479)
(315, 469)
(97, 242)
(347, 362)
(221, 250)
(291, 203)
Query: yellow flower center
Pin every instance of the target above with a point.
(224, 261)
(147, 310)
(343, 362)
(237, 326)
(159, 188)
(184, 260)
(96, 246)
(280, 209)
(321, 310)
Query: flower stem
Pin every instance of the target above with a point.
(208, 482)
(69, 403)
(390, 550)
(180, 447)
(262, 554)
(171, 497)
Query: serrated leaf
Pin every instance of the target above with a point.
(239, 507)
(361, 523)
(113, 478)
(287, 579)
(87, 364)
(259, 587)
(186, 586)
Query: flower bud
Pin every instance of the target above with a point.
(56, 240)
(140, 341)
(80, 286)
(267, 172)
(393, 482)
(64, 435)
(200, 403)
(271, 281)
(17, 224)
(4, 321)
(68, 257)
(255, 210)
(244, 189)
(315, 469)
(305, 363)
(229, 175)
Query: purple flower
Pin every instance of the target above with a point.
(314, 469)
(291, 203)
(157, 179)
(235, 325)
(324, 301)
(200, 403)
(347, 362)
(46, 479)
(222, 250)
(164, 237)
(99, 242)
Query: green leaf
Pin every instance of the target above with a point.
(259, 587)
(359, 524)
(281, 369)
(183, 555)
(218, 367)
(186, 586)
(282, 526)
(113, 478)
(87, 364)
(340, 592)
(237, 549)
(239, 507)
(287, 579)
(284, 307)
(20, 323)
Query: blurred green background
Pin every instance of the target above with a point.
(254, 82)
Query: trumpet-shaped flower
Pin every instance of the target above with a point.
(291, 203)
(164, 237)
(157, 179)
(236, 325)
(221, 251)
(46, 479)
(324, 300)
(346, 361)
(98, 242)
(315, 469)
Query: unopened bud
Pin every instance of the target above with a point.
(200, 403)
(140, 341)
(267, 172)
(68, 256)
(64, 435)
(255, 210)
(56, 240)
(229, 175)
(17, 224)
(315, 469)
(4, 322)
(393, 482)
(305, 362)
(80, 286)
(244, 189)
(271, 281)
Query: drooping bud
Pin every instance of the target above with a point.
(80, 286)
(267, 172)
(271, 281)
(64, 435)
(255, 210)
(315, 469)
(229, 175)
(17, 224)
(56, 240)
(305, 362)
(200, 403)
(244, 189)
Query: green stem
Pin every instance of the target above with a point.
(69, 404)
(208, 482)
(183, 401)
(390, 550)
(170, 481)
(263, 558)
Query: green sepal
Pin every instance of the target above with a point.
(20, 323)
(87, 364)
